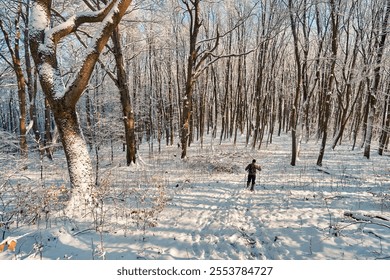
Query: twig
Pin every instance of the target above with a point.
(82, 231)
(368, 219)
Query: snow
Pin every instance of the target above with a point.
(79, 163)
(38, 19)
(52, 77)
(108, 20)
(68, 24)
(165, 208)
(39, 23)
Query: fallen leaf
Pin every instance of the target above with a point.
(12, 245)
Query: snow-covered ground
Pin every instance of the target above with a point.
(199, 208)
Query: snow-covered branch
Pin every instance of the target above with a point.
(73, 23)
(98, 43)
(44, 42)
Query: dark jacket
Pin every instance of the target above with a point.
(252, 167)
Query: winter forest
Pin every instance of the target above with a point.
(126, 126)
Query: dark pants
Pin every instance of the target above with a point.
(251, 178)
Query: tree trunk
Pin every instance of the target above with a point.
(124, 91)
(47, 142)
(22, 116)
(329, 87)
(191, 61)
(385, 123)
(294, 110)
(31, 85)
(78, 158)
(21, 82)
(347, 93)
(170, 135)
(43, 43)
(377, 77)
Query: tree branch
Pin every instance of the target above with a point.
(377, 220)
(73, 23)
(110, 21)
(8, 43)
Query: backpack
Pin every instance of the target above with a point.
(251, 168)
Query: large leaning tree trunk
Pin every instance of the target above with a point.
(43, 43)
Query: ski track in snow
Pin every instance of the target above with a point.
(225, 228)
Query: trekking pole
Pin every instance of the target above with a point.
(245, 181)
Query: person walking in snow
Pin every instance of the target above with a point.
(251, 168)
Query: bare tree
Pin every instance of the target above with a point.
(294, 111)
(202, 55)
(196, 59)
(380, 44)
(334, 19)
(44, 40)
(383, 141)
(127, 107)
(121, 81)
(345, 87)
(16, 64)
